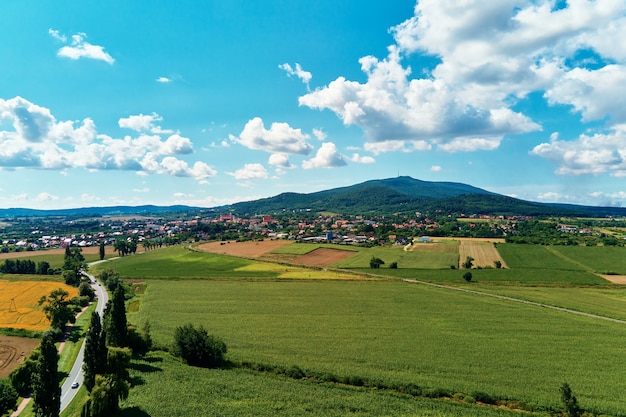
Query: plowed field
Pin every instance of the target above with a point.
(323, 257)
(13, 351)
(244, 249)
(483, 252)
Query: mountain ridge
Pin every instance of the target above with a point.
(402, 194)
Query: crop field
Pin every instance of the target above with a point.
(535, 257)
(323, 257)
(171, 389)
(483, 252)
(251, 249)
(443, 256)
(18, 303)
(600, 259)
(402, 333)
(13, 351)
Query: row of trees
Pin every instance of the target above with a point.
(25, 266)
(109, 345)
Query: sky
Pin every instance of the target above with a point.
(212, 102)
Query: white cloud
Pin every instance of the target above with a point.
(397, 146)
(45, 196)
(486, 57)
(320, 134)
(57, 35)
(362, 159)
(597, 154)
(303, 75)
(163, 80)
(141, 190)
(435, 168)
(38, 140)
(327, 156)
(250, 171)
(143, 123)
(280, 160)
(79, 48)
(280, 138)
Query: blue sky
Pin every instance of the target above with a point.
(212, 102)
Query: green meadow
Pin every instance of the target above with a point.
(388, 331)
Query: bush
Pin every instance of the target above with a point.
(198, 348)
(467, 276)
(393, 265)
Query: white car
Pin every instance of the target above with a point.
(75, 385)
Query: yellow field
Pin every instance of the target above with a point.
(292, 272)
(483, 252)
(18, 303)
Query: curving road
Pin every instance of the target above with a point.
(76, 374)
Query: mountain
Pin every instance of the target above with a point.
(406, 194)
(374, 197)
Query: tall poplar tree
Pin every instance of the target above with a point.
(95, 351)
(115, 323)
(46, 390)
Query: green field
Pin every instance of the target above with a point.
(304, 248)
(169, 389)
(386, 330)
(597, 258)
(449, 255)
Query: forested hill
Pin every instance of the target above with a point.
(406, 194)
(375, 197)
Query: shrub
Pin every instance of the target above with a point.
(198, 348)
(467, 276)
(393, 265)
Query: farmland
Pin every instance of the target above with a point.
(354, 322)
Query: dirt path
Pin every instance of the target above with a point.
(517, 300)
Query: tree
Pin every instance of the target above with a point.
(376, 262)
(86, 290)
(572, 409)
(116, 325)
(46, 389)
(8, 396)
(95, 352)
(58, 309)
(467, 276)
(74, 261)
(197, 348)
(101, 250)
(468, 263)
(497, 264)
(393, 265)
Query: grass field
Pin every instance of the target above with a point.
(535, 257)
(397, 332)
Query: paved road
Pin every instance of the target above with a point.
(76, 374)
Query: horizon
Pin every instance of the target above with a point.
(214, 103)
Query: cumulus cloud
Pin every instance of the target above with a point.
(303, 75)
(279, 138)
(250, 172)
(327, 156)
(596, 154)
(362, 159)
(486, 56)
(38, 140)
(280, 160)
(163, 80)
(80, 48)
(320, 134)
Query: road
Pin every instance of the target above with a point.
(76, 374)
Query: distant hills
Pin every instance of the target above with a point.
(375, 197)
(406, 194)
